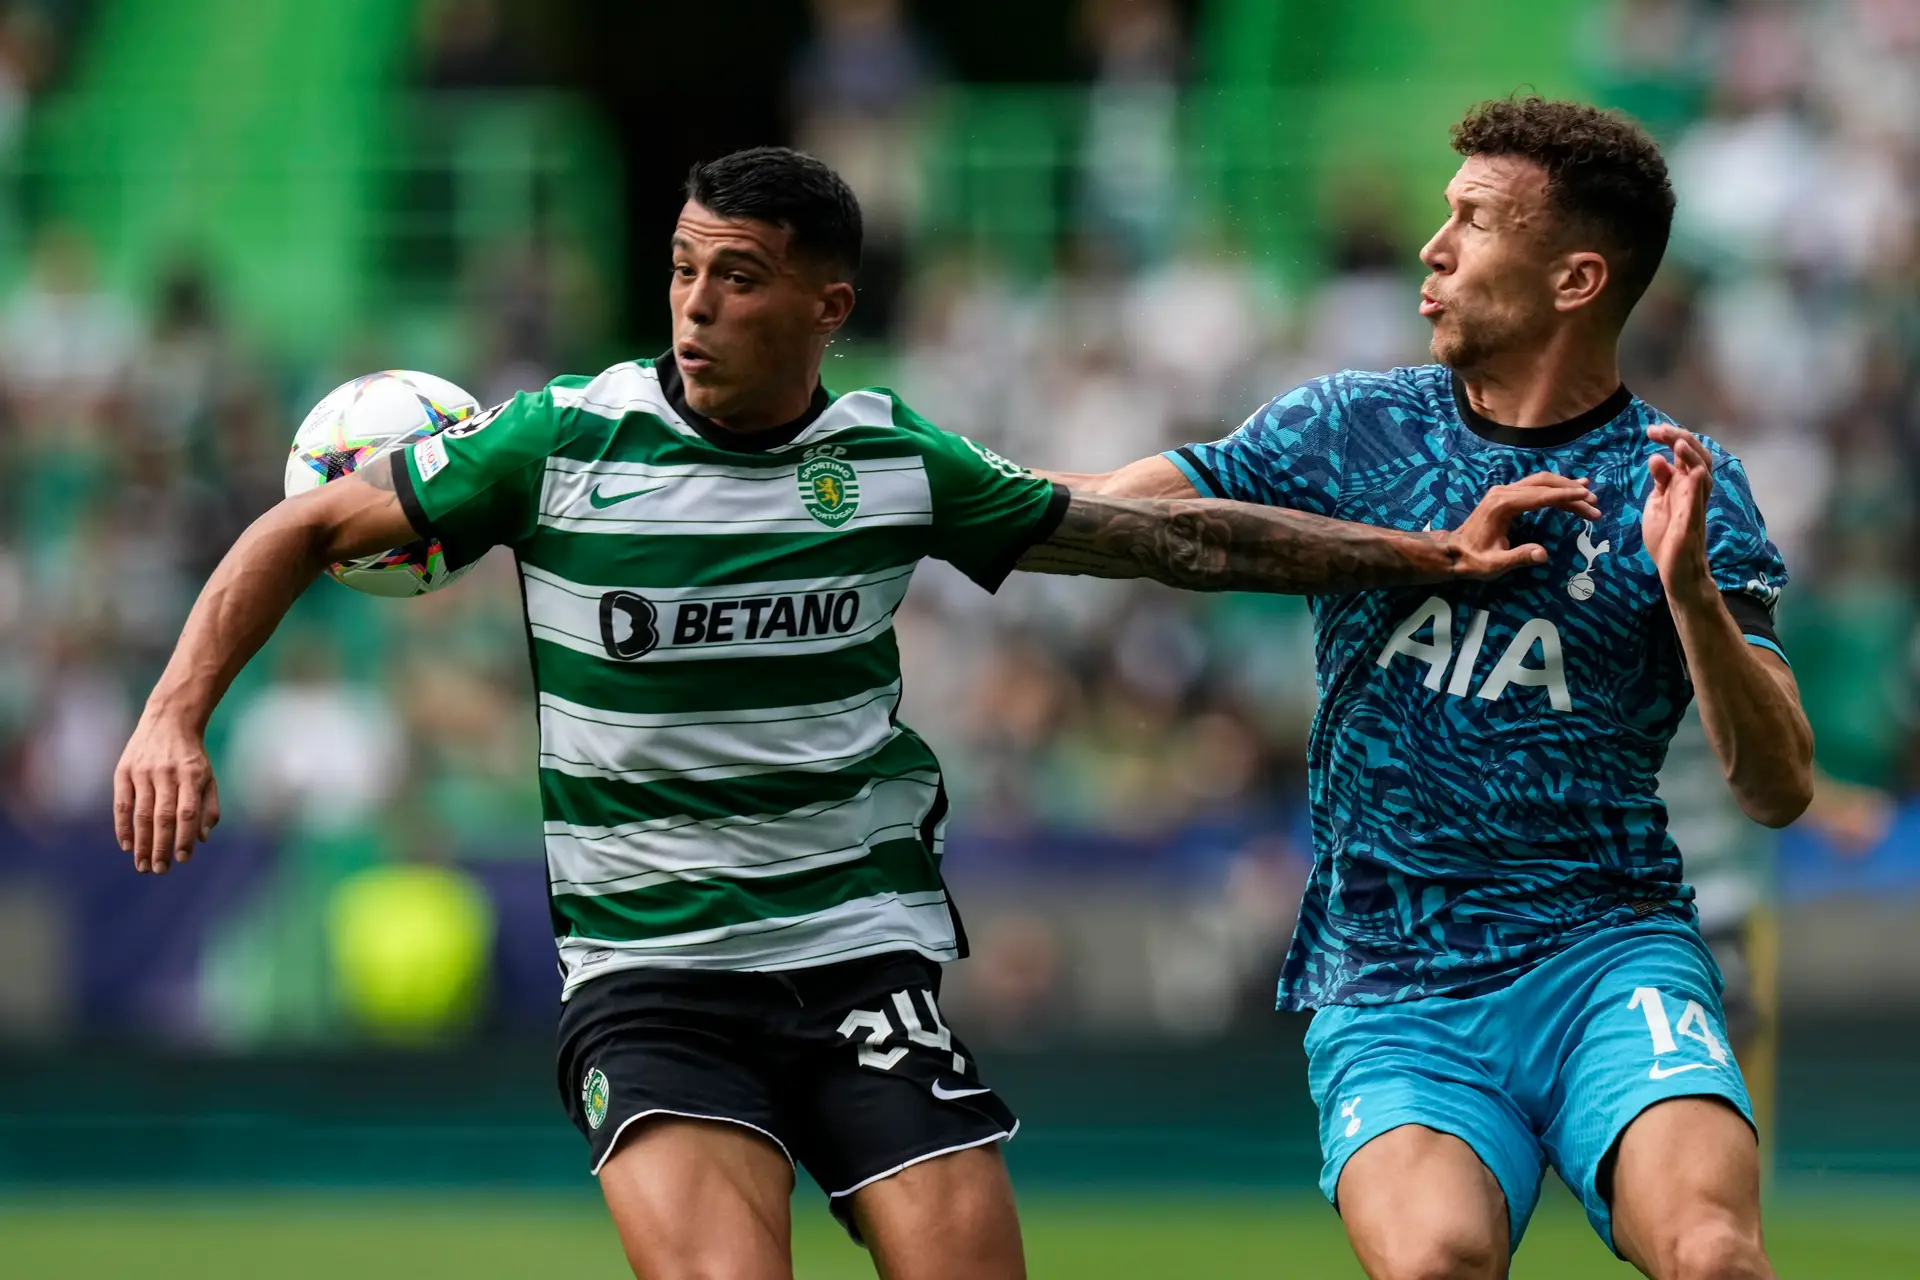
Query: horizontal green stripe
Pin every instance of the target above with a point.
(647, 687)
(607, 802)
(639, 561)
(659, 911)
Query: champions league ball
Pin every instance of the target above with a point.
(359, 424)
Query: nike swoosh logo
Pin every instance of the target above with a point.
(1657, 1072)
(945, 1094)
(602, 503)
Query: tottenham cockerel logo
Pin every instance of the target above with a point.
(1581, 585)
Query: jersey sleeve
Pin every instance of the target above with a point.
(1285, 455)
(476, 485)
(987, 511)
(1746, 565)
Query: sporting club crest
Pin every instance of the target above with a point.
(830, 490)
(593, 1096)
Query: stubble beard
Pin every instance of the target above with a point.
(1474, 339)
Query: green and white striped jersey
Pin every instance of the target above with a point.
(724, 781)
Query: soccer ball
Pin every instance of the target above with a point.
(364, 421)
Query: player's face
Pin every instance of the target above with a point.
(749, 318)
(1493, 262)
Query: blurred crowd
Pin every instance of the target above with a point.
(141, 443)
(1083, 723)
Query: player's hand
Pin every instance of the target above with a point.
(164, 797)
(1482, 546)
(1674, 522)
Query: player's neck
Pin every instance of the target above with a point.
(767, 424)
(792, 399)
(1541, 388)
(769, 417)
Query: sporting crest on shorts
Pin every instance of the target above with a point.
(593, 1097)
(830, 490)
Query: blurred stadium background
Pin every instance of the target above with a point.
(1098, 227)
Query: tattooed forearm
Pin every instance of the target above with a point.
(1206, 545)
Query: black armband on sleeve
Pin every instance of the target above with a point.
(1754, 619)
(409, 498)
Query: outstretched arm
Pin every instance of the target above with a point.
(1152, 477)
(164, 797)
(1204, 544)
(1749, 700)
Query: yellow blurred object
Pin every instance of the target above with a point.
(409, 946)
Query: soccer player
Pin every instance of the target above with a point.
(743, 842)
(1496, 934)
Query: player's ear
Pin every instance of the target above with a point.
(836, 304)
(1582, 278)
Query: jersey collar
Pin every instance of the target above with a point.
(734, 441)
(1549, 437)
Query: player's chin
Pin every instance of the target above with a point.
(1452, 348)
(709, 394)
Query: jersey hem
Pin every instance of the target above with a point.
(1197, 473)
(1347, 995)
(892, 946)
(1043, 528)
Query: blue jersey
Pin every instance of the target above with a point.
(1483, 764)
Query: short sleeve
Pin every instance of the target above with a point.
(987, 511)
(476, 485)
(1285, 455)
(1746, 565)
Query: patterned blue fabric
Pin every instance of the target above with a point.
(1483, 764)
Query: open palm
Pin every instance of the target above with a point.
(1673, 523)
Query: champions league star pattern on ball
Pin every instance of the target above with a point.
(1482, 766)
(363, 420)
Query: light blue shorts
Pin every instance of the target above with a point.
(1549, 1070)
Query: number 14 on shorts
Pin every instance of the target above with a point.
(1693, 1025)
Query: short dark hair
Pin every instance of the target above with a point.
(1605, 177)
(789, 189)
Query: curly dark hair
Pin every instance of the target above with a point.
(1605, 177)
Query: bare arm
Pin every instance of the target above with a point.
(1749, 700)
(164, 797)
(1153, 477)
(1203, 544)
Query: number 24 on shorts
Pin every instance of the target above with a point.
(880, 1028)
(1693, 1025)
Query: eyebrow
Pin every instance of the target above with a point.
(724, 257)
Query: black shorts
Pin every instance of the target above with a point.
(849, 1069)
